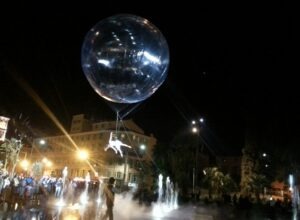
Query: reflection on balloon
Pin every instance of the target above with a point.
(125, 58)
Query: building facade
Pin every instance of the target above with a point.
(50, 155)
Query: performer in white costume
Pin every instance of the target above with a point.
(115, 144)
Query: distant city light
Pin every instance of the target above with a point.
(42, 142)
(194, 130)
(264, 154)
(201, 120)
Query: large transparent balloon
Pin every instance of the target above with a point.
(125, 58)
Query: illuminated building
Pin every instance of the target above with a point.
(93, 137)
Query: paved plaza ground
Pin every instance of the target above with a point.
(127, 210)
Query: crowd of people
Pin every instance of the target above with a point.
(21, 193)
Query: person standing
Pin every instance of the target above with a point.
(110, 197)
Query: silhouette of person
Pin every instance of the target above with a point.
(110, 197)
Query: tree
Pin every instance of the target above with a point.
(247, 171)
(258, 183)
(217, 183)
(256, 172)
(12, 150)
(18, 134)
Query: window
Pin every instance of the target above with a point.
(134, 178)
(119, 175)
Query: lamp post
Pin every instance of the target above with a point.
(196, 125)
(193, 180)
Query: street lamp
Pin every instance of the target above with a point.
(194, 129)
(196, 125)
(24, 164)
(201, 120)
(82, 154)
(143, 147)
(42, 142)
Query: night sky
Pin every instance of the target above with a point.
(235, 69)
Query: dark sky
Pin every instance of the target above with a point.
(233, 67)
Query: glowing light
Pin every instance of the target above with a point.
(194, 130)
(142, 147)
(84, 198)
(60, 203)
(26, 87)
(48, 164)
(71, 217)
(42, 142)
(104, 62)
(82, 154)
(24, 164)
(150, 57)
(44, 160)
(264, 154)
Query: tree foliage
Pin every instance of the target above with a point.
(11, 149)
(217, 182)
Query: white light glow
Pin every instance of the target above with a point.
(143, 147)
(149, 56)
(84, 198)
(104, 62)
(60, 203)
(82, 154)
(24, 164)
(291, 180)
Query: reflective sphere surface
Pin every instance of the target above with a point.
(125, 58)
